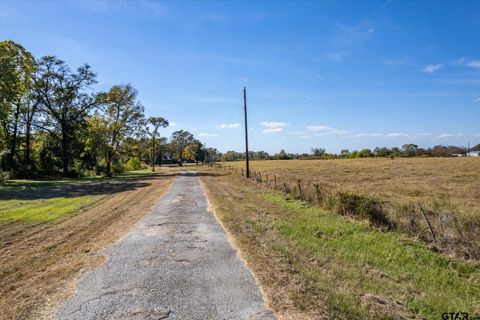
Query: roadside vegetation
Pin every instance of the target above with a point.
(53, 230)
(434, 199)
(313, 263)
(54, 123)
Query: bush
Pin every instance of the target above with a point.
(363, 207)
(134, 164)
(118, 167)
(4, 176)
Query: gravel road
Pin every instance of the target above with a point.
(175, 264)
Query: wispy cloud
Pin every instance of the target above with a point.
(450, 135)
(396, 135)
(272, 130)
(304, 137)
(229, 126)
(429, 68)
(274, 124)
(205, 134)
(321, 130)
(476, 99)
(471, 63)
(363, 134)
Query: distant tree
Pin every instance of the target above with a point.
(282, 155)
(476, 148)
(194, 151)
(409, 150)
(179, 141)
(318, 152)
(156, 123)
(382, 152)
(64, 101)
(344, 153)
(119, 116)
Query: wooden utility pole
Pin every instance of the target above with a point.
(246, 132)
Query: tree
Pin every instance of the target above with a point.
(282, 155)
(156, 123)
(179, 141)
(121, 116)
(195, 152)
(63, 100)
(318, 152)
(16, 68)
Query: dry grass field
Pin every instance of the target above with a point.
(447, 189)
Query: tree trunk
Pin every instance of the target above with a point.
(108, 169)
(65, 149)
(153, 154)
(13, 145)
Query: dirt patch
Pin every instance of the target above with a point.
(39, 263)
(386, 308)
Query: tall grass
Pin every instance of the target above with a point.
(435, 200)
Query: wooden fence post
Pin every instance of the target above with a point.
(428, 223)
(275, 180)
(299, 184)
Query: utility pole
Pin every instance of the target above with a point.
(246, 131)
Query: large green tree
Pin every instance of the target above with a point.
(179, 141)
(64, 100)
(152, 128)
(16, 68)
(119, 116)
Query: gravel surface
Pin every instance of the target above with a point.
(175, 264)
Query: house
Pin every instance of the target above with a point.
(473, 154)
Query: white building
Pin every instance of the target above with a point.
(473, 154)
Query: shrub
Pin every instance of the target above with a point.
(134, 164)
(4, 176)
(363, 207)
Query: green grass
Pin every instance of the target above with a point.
(357, 259)
(42, 210)
(34, 200)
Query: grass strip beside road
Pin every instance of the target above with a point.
(315, 264)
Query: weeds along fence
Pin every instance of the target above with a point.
(443, 230)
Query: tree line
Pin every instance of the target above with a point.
(407, 150)
(53, 122)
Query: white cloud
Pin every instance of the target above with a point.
(273, 124)
(471, 63)
(229, 126)
(432, 67)
(450, 135)
(396, 135)
(205, 134)
(296, 132)
(304, 137)
(360, 135)
(326, 130)
(272, 130)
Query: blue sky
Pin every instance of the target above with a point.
(338, 75)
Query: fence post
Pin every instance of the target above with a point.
(285, 187)
(275, 180)
(428, 223)
(260, 176)
(299, 184)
